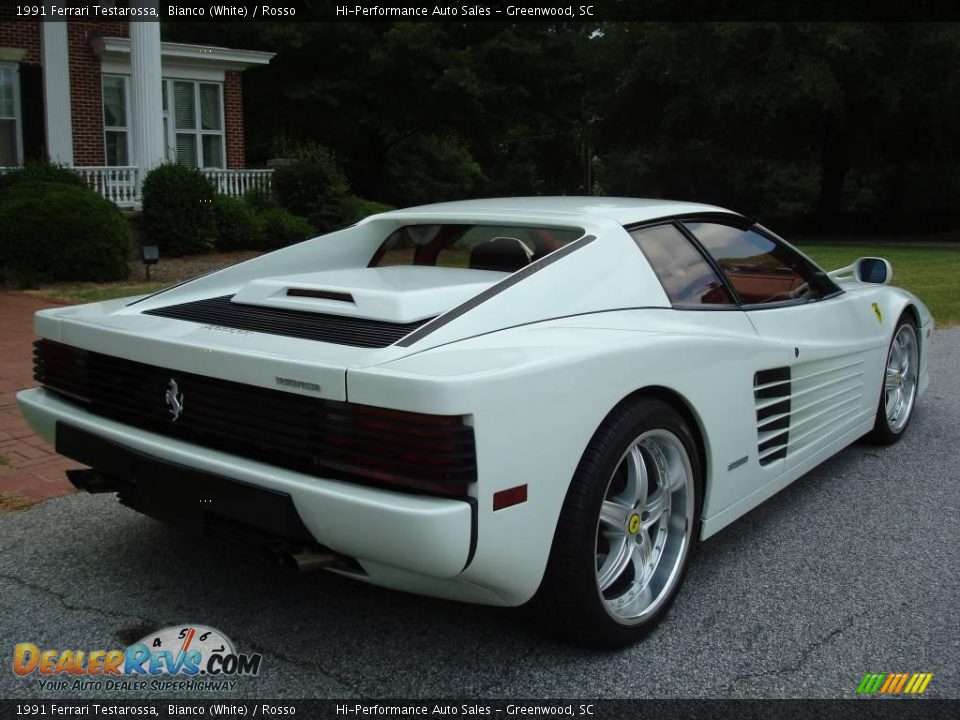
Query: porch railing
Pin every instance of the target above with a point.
(121, 184)
(237, 183)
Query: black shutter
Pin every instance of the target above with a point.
(31, 112)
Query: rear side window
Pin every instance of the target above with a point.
(686, 276)
(759, 270)
(478, 247)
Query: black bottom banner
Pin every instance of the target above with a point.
(892, 709)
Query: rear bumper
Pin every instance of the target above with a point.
(198, 501)
(428, 536)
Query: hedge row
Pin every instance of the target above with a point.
(241, 225)
(183, 215)
(53, 227)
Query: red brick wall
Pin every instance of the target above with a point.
(22, 35)
(85, 88)
(85, 98)
(233, 117)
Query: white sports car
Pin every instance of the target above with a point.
(492, 400)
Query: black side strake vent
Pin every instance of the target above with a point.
(338, 329)
(771, 397)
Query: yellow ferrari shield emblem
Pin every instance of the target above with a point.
(876, 311)
(634, 525)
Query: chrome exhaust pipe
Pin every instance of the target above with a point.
(306, 560)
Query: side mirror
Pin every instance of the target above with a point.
(873, 270)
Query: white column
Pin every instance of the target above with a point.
(56, 92)
(146, 101)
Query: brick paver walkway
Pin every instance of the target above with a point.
(30, 470)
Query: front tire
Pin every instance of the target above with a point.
(627, 529)
(900, 381)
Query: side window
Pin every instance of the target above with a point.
(686, 276)
(760, 270)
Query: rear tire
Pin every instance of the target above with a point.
(898, 393)
(627, 529)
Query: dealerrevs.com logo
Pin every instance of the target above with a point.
(182, 657)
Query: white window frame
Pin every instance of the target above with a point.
(198, 132)
(125, 129)
(17, 110)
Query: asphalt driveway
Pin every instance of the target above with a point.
(852, 569)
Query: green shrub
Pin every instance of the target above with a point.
(353, 209)
(239, 226)
(282, 228)
(260, 199)
(178, 210)
(311, 186)
(41, 172)
(54, 231)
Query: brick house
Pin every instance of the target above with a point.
(112, 101)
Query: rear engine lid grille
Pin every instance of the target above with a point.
(400, 450)
(325, 327)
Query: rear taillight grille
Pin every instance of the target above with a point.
(401, 450)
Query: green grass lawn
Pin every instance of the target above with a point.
(932, 274)
(107, 291)
(169, 271)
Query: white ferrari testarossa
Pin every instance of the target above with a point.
(491, 400)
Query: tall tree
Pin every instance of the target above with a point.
(789, 119)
